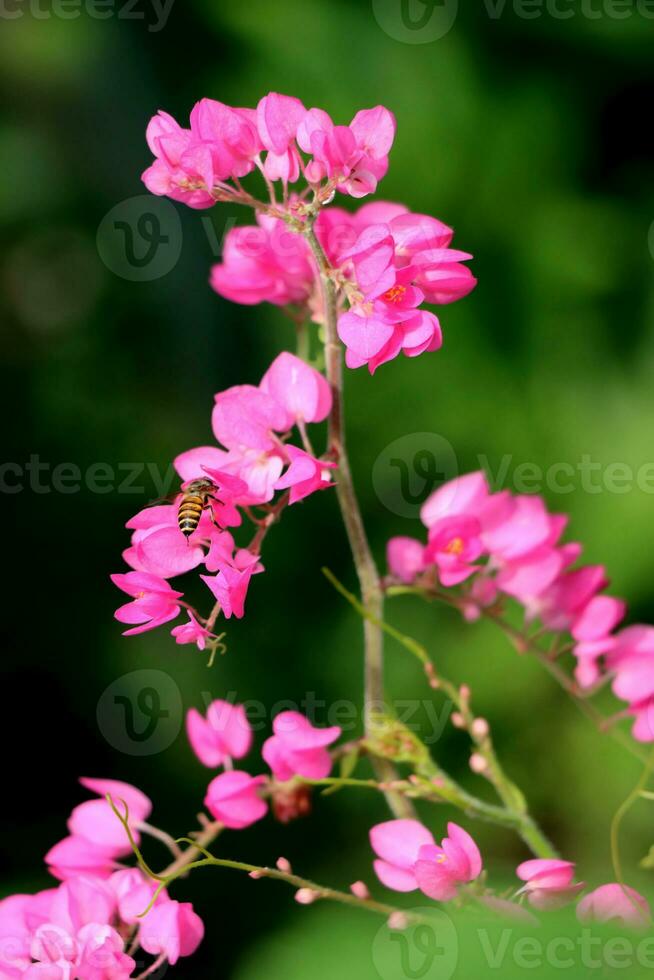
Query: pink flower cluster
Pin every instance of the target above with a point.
(296, 748)
(77, 930)
(223, 143)
(252, 464)
(494, 544)
(408, 859)
(387, 261)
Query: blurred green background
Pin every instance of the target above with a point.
(533, 138)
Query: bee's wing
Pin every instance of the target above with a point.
(170, 498)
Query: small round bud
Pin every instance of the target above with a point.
(458, 720)
(283, 864)
(360, 890)
(398, 920)
(305, 896)
(255, 874)
(480, 728)
(464, 692)
(477, 763)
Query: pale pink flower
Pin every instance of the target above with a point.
(73, 856)
(463, 495)
(233, 799)
(96, 822)
(615, 902)
(224, 734)
(301, 390)
(305, 475)
(549, 882)
(397, 844)
(297, 748)
(440, 870)
(154, 601)
(406, 558)
(171, 928)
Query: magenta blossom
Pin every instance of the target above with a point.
(192, 632)
(305, 475)
(297, 748)
(266, 262)
(441, 870)
(549, 882)
(409, 858)
(615, 902)
(171, 929)
(233, 799)
(397, 844)
(97, 838)
(224, 734)
(154, 601)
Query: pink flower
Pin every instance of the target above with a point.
(454, 544)
(171, 928)
(410, 859)
(229, 588)
(301, 390)
(441, 870)
(278, 118)
(298, 748)
(266, 262)
(175, 171)
(614, 901)
(355, 157)
(133, 893)
(305, 475)
(631, 659)
(406, 558)
(192, 632)
(73, 856)
(397, 844)
(549, 882)
(154, 601)
(224, 734)
(95, 821)
(464, 495)
(233, 799)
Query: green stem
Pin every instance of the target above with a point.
(367, 573)
(514, 814)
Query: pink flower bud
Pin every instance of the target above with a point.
(458, 720)
(477, 763)
(360, 889)
(283, 864)
(305, 896)
(398, 920)
(480, 728)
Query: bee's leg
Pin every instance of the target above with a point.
(212, 516)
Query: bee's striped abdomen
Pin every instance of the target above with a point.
(189, 513)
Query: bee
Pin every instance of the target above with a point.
(196, 498)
